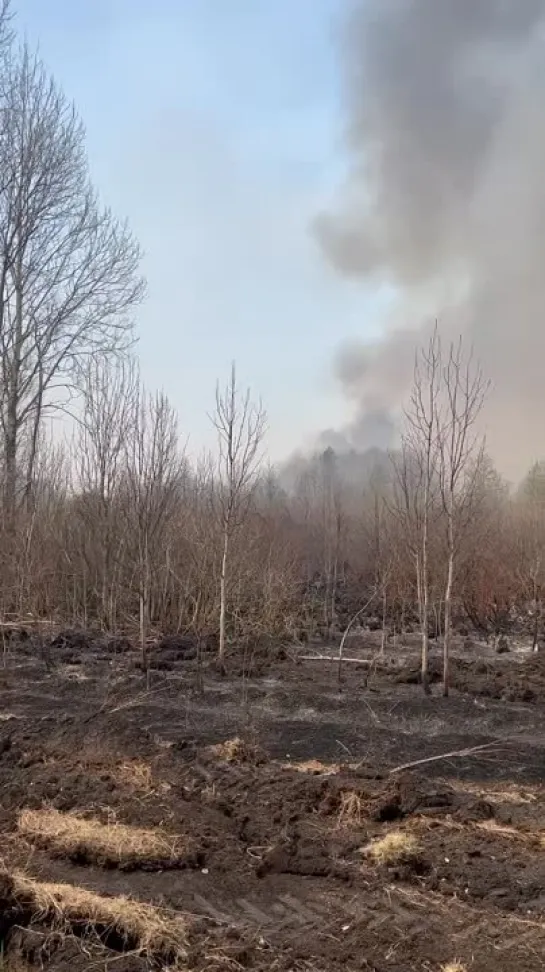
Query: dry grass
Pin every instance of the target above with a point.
(141, 926)
(351, 810)
(511, 793)
(502, 830)
(395, 848)
(313, 767)
(136, 775)
(104, 843)
(454, 967)
(238, 751)
(491, 827)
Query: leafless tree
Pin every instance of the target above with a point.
(68, 269)
(154, 480)
(416, 472)
(332, 529)
(109, 390)
(461, 454)
(240, 425)
(380, 542)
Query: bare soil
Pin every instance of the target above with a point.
(278, 780)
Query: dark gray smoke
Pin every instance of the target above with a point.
(445, 201)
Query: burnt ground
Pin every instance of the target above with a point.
(277, 874)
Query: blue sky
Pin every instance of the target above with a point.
(215, 126)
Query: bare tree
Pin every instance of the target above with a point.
(332, 530)
(68, 269)
(382, 550)
(109, 389)
(240, 425)
(154, 473)
(416, 471)
(461, 454)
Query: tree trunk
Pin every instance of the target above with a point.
(36, 429)
(448, 623)
(333, 595)
(12, 417)
(538, 612)
(142, 630)
(383, 634)
(10, 481)
(223, 594)
(145, 615)
(425, 611)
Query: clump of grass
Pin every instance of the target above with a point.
(140, 926)
(109, 844)
(351, 812)
(313, 767)
(395, 848)
(238, 751)
(135, 774)
(454, 967)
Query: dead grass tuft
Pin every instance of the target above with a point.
(351, 810)
(141, 926)
(511, 793)
(112, 844)
(500, 830)
(136, 775)
(238, 751)
(395, 848)
(313, 767)
(454, 967)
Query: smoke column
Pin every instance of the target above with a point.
(445, 202)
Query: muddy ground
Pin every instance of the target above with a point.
(277, 871)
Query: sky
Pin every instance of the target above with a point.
(215, 127)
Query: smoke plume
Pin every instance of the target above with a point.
(445, 202)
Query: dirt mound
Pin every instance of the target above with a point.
(412, 674)
(305, 857)
(15, 635)
(73, 645)
(409, 794)
(519, 682)
(172, 649)
(255, 657)
(30, 949)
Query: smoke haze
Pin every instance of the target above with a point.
(445, 202)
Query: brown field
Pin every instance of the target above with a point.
(267, 822)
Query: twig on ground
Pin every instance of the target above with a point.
(335, 658)
(472, 751)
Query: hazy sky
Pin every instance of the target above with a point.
(215, 126)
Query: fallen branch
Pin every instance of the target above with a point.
(335, 658)
(472, 751)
